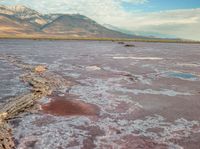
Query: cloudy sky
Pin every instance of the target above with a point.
(175, 18)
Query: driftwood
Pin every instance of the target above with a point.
(42, 84)
(17, 105)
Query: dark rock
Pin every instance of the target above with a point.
(129, 45)
(121, 42)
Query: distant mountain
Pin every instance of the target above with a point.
(19, 19)
(140, 33)
(79, 25)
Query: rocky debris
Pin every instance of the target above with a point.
(40, 69)
(56, 81)
(6, 141)
(3, 115)
(42, 83)
(129, 45)
(131, 77)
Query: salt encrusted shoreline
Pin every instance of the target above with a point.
(42, 83)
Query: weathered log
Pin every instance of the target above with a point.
(17, 105)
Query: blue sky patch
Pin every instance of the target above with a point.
(161, 5)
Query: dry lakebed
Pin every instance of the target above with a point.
(99, 94)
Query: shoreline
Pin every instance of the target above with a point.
(52, 38)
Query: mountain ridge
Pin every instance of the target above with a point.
(24, 20)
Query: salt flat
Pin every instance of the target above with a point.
(123, 97)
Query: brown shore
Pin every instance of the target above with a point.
(62, 37)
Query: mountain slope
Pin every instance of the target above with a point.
(79, 25)
(24, 13)
(22, 20)
(10, 25)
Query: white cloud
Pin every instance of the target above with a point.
(135, 1)
(181, 23)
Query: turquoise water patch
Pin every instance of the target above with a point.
(181, 75)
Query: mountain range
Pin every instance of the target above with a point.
(141, 33)
(21, 20)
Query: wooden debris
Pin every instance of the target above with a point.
(17, 105)
(42, 84)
